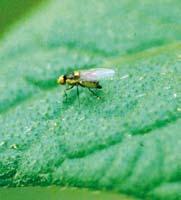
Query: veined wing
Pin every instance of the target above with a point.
(96, 74)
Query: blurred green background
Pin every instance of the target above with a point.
(57, 193)
(13, 10)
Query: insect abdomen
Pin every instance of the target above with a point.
(90, 84)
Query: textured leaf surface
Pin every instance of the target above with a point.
(129, 141)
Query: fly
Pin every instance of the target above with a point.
(85, 78)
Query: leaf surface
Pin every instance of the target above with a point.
(129, 140)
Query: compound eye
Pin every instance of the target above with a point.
(61, 80)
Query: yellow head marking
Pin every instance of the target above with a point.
(61, 80)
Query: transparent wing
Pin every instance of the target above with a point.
(96, 74)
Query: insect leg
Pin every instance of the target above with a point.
(78, 94)
(93, 93)
(69, 88)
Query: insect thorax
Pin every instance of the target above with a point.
(76, 74)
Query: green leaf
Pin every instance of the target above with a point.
(11, 11)
(57, 193)
(129, 140)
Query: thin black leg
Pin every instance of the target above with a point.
(78, 94)
(94, 93)
(69, 88)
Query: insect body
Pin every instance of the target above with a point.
(85, 78)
